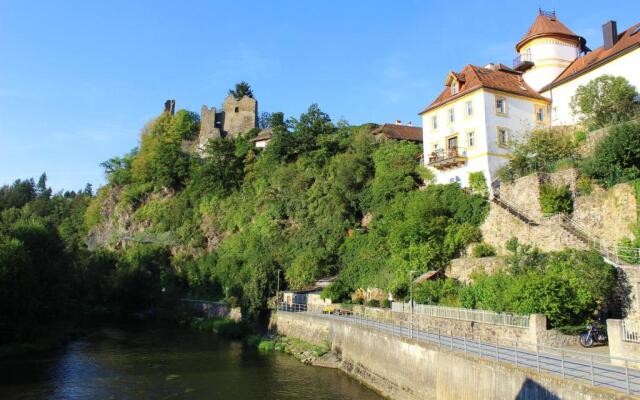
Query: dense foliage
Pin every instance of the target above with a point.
(604, 101)
(555, 199)
(241, 217)
(569, 287)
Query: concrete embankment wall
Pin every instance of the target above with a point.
(405, 369)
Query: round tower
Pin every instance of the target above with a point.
(546, 50)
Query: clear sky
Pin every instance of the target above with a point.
(78, 78)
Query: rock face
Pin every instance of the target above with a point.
(462, 268)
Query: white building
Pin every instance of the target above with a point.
(471, 124)
(482, 110)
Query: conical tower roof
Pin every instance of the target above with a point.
(547, 24)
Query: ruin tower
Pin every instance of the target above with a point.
(239, 115)
(210, 125)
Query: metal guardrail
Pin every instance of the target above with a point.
(631, 331)
(593, 368)
(464, 314)
(617, 255)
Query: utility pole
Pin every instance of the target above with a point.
(278, 289)
(411, 298)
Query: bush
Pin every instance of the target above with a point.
(478, 184)
(542, 151)
(373, 303)
(555, 199)
(359, 300)
(483, 250)
(440, 291)
(385, 303)
(616, 157)
(584, 185)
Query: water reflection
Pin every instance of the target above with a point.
(169, 363)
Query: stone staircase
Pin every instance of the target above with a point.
(610, 253)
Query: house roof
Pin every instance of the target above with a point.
(399, 132)
(264, 134)
(627, 41)
(429, 276)
(545, 25)
(499, 77)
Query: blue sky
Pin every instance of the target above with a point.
(78, 79)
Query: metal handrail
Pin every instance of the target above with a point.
(597, 369)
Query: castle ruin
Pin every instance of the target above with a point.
(236, 117)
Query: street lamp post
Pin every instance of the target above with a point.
(277, 288)
(411, 298)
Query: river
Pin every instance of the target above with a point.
(160, 362)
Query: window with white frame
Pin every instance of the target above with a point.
(469, 107)
(501, 105)
(455, 87)
(434, 122)
(503, 136)
(452, 115)
(471, 139)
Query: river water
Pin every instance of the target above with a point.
(160, 362)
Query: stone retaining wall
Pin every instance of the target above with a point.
(536, 333)
(405, 369)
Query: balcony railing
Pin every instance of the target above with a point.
(448, 158)
(523, 61)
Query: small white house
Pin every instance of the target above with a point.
(262, 139)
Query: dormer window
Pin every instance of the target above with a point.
(455, 87)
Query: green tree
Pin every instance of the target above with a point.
(242, 89)
(604, 101)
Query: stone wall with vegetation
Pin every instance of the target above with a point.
(500, 226)
(609, 214)
(462, 268)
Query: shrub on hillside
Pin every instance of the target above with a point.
(555, 199)
(478, 184)
(542, 151)
(440, 291)
(483, 250)
(616, 157)
(385, 303)
(373, 303)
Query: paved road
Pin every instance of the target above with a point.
(587, 367)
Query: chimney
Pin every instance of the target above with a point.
(610, 34)
(398, 122)
(409, 123)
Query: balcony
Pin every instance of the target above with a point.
(523, 61)
(449, 158)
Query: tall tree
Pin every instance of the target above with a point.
(242, 89)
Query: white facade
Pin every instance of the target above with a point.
(550, 57)
(627, 66)
(485, 152)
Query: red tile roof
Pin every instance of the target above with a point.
(399, 132)
(500, 78)
(264, 134)
(627, 41)
(546, 25)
